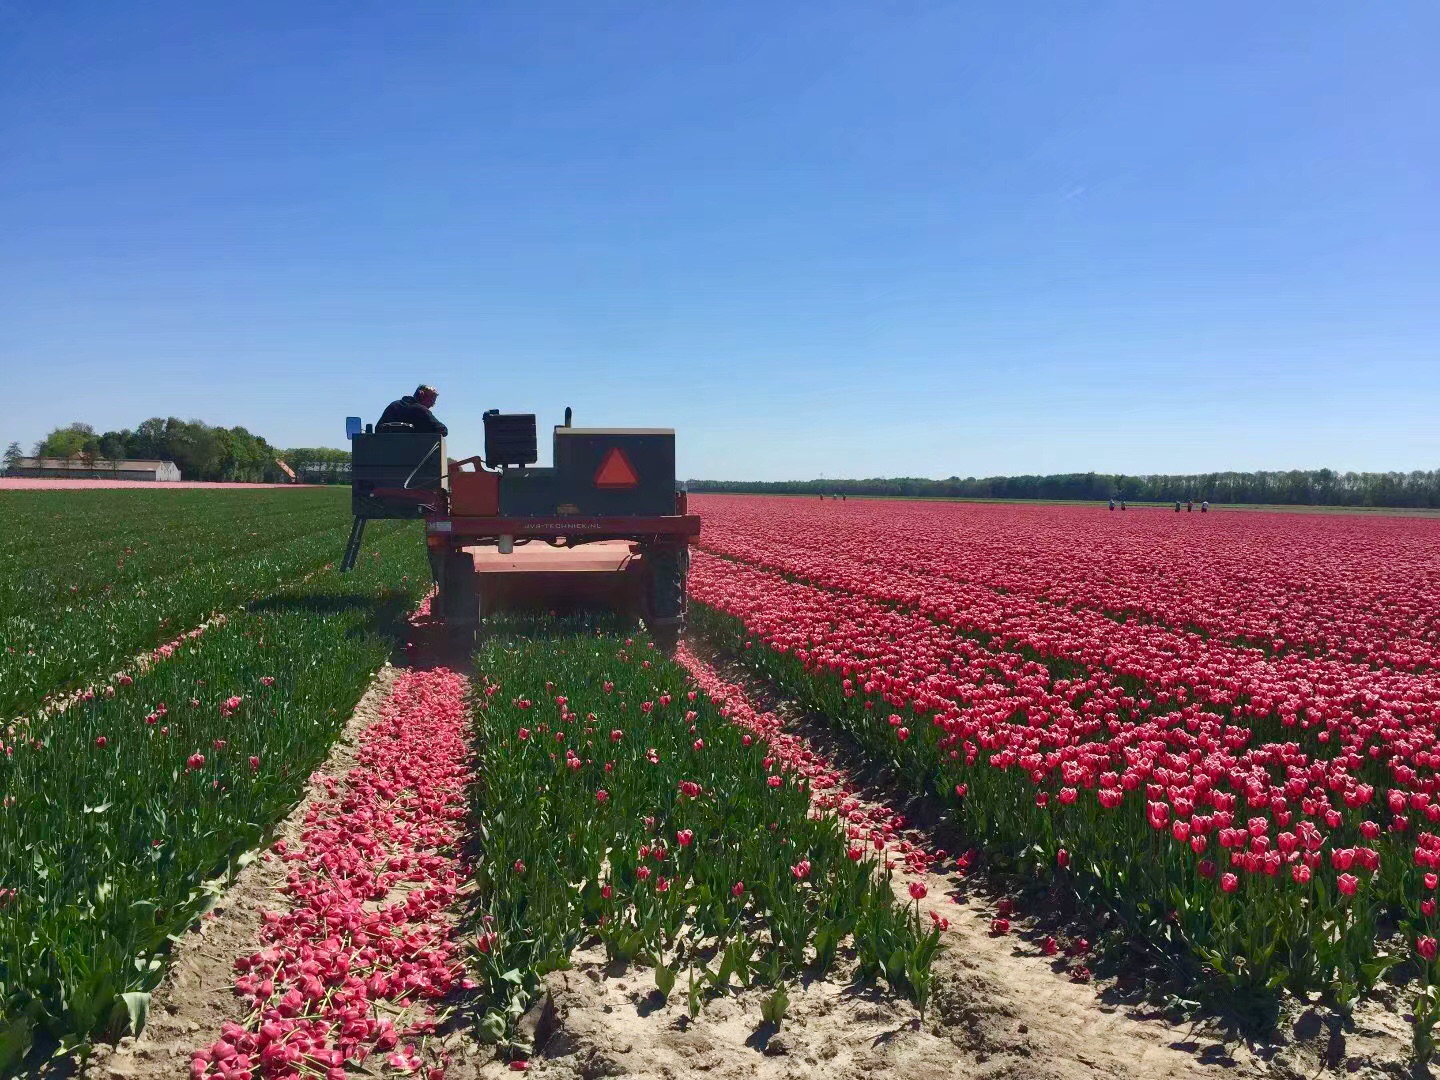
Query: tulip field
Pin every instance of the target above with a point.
(615, 799)
(1223, 727)
(116, 811)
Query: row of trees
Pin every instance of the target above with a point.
(210, 453)
(200, 451)
(1303, 487)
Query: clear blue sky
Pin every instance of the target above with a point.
(869, 238)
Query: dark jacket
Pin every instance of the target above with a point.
(407, 414)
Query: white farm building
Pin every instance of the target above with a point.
(96, 469)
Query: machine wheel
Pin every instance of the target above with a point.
(459, 600)
(665, 574)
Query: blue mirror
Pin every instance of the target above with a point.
(353, 426)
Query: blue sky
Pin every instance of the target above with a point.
(849, 239)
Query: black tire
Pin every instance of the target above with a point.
(459, 598)
(665, 575)
(459, 640)
(666, 639)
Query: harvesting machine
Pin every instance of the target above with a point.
(605, 526)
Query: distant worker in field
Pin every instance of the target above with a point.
(1112, 503)
(1205, 506)
(1124, 505)
(1189, 506)
(1177, 506)
(412, 413)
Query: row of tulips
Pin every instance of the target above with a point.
(1309, 745)
(350, 971)
(116, 813)
(1294, 690)
(1350, 587)
(68, 618)
(1159, 811)
(1314, 749)
(616, 800)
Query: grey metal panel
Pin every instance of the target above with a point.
(570, 489)
(529, 493)
(395, 459)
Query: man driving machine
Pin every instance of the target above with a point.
(412, 413)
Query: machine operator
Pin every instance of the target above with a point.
(412, 413)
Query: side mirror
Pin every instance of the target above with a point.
(353, 426)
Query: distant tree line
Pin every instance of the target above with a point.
(319, 464)
(202, 452)
(1303, 487)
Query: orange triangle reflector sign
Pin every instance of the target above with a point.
(615, 471)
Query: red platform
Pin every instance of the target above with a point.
(604, 556)
(538, 576)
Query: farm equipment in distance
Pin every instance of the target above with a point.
(605, 526)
